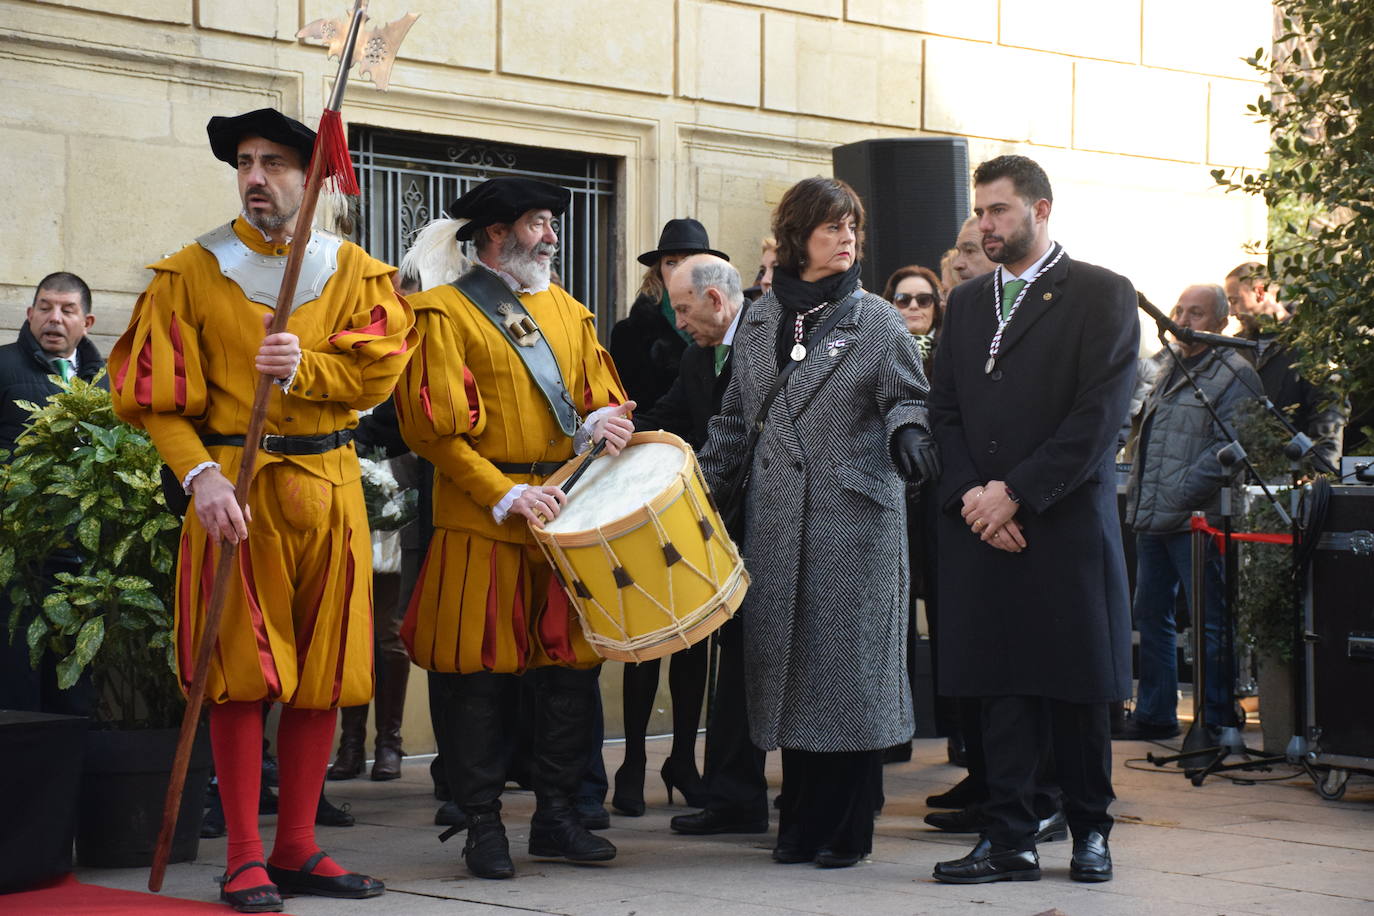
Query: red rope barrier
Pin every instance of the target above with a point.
(1257, 537)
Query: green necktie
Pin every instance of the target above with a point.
(1009, 291)
(722, 354)
(63, 367)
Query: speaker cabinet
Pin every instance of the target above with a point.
(1340, 617)
(916, 193)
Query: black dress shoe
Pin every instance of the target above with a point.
(1092, 860)
(708, 821)
(487, 851)
(828, 858)
(1052, 828)
(329, 815)
(350, 886)
(557, 833)
(986, 863)
(969, 820)
(787, 854)
(1135, 730)
(967, 792)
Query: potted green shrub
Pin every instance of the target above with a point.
(83, 481)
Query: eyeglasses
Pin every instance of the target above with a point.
(922, 300)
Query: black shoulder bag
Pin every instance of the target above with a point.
(732, 506)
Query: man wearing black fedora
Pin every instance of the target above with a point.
(509, 383)
(647, 347)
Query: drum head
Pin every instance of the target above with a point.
(616, 486)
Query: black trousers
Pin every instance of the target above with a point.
(828, 800)
(734, 772)
(1015, 731)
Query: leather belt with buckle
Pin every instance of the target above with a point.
(288, 445)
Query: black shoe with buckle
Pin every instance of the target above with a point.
(348, 886)
(261, 898)
(708, 821)
(987, 863)
(1092, 859)
(487, 851)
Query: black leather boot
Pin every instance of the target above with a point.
(565, 703)
(349, 763)
(472, 744)
(487, 851)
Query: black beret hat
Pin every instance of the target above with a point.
(268, 123)
(503, 200)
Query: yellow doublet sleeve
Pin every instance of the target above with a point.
(601, 387)
(440, 408)
(157, 372)
(359, 364)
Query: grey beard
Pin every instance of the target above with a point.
(270, 222)
(521, 263)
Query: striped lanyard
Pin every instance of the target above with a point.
(1002, 323)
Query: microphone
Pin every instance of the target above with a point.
(1188, 334)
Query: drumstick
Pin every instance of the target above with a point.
(582, 468)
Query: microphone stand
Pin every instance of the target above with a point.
(1199, 742)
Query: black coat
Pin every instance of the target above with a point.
(647, 351)
(24, 376)
(686, 410)
(1053, 620)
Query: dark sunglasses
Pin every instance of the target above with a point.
(923, 300)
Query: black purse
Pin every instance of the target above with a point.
(732, 507)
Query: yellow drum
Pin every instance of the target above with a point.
(642, 552)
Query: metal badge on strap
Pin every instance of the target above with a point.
(495, 300)
(259, 275)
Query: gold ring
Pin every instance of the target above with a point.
(980, 524)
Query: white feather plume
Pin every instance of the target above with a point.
(435, 255)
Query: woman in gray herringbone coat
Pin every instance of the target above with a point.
(824, 529)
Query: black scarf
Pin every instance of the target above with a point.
(796, 295)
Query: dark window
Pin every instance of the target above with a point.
(408, 179)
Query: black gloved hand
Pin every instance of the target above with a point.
(917, 455)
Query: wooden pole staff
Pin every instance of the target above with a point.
(228, 554)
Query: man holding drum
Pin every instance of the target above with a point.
(507, 383)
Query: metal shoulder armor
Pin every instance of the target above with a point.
(259, 275)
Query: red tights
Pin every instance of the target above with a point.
(303, 743)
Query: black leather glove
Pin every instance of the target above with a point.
(917, 455)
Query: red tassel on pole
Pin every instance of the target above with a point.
(333, 146)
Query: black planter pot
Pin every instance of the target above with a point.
(40, 770)
(123, 789)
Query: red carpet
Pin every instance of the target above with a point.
(69, 897)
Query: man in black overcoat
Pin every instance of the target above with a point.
(1036, 365)
(708, 301)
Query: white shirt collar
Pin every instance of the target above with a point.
(729, 339)
(1030, 272)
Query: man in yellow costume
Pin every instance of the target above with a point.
(297, 626)
(507, 383)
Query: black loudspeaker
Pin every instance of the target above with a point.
(916, 192)
(1340, 617)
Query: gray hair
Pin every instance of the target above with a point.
(1221, 309)
(720, 274)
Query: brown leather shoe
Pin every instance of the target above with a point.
(349, 762)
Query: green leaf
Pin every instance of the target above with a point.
(88, 533)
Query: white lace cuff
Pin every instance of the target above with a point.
(583, 439)
(191, 474)
(502, 509)
(285, 383)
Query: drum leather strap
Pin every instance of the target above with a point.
(495, 300)
(535, 468)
